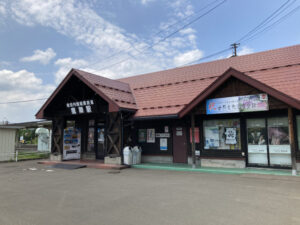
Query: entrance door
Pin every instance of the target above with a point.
(100, 151)
(257, 142)
(268, 142)
(179, 145)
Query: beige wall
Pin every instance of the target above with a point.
(7, 144)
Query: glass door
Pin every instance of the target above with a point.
(257, 142)
(91, 138)
(279, 144)
(100, 152)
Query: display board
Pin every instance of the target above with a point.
(71, 145)
(236, 104)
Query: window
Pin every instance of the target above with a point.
(222, 134)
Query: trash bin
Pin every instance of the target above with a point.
(137, 152)
(127, 154)
(135, 155)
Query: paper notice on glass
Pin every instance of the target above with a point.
(230, 136)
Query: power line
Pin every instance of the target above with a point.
(267, 20)
(29, 100)
(207, 57)
(157, 33)
(281, 19)
(168, 36)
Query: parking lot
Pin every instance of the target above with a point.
(33, 194)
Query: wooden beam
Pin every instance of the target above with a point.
(193, 139)
(292, 140)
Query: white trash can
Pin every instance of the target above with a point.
(138, 154)
(127, 154)
(134, 155)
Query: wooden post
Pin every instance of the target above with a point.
(292, 141)
(193, 139)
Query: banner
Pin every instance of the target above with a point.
(236, 104)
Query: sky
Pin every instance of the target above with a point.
(41, 40)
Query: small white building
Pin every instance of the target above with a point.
(7, 142)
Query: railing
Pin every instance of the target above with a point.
(23, 155)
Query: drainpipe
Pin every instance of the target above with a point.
(292, 141)
(193, 140)
(122, 137)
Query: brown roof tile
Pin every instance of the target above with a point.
(277, 68)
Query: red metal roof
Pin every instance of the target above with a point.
(170, 92)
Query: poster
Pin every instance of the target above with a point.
(178, 131)
(71, 144)
(257, 136)
(151, 135)
(166, 129)
(211, 137)
(163, 144)
(197, 139)
(142, 135)
(236, 104)
(230, 133)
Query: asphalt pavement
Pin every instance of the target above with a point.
(33, 194)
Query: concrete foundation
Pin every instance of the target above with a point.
(157, 159)
(88, 156)
(55, 157)
(190, 161)
(113, 160)
(225, 163)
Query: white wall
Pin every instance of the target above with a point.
(7, 144)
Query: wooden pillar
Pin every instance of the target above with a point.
(193, 140)
(57, 136)
(292, 140)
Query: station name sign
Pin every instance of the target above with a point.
(80, 107)
(237, 104)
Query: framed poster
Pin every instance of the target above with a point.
(196, 131)
(151, 135)
(163, 144)
(142, 135)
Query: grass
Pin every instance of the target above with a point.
(32, 155)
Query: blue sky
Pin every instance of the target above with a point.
(41, 40)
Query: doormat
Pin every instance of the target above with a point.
(68, 166)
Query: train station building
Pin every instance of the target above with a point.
(242, 111)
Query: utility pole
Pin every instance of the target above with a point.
(234, 47)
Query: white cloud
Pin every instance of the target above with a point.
(187, 57)
(145, 2)
(80, 22)
(65, 65)
(18, 86)
(2, 8)
(74, 19)
(245, 51)
(43, 57)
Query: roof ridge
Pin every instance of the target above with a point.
(208, 62)
(175, 83)
(272, 68)
(93, 74)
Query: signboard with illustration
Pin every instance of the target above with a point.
(236, 104)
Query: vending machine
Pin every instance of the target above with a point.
(72, 145)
